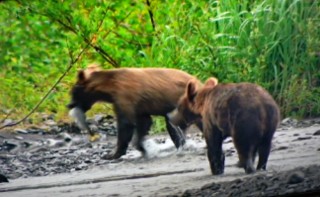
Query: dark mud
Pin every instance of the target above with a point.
(54, 148)
(301, 181)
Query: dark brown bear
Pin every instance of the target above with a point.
(136, 94)
(244, 111)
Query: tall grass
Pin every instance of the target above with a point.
(275, 43)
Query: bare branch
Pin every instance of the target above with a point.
(68, 25)
(71, 64)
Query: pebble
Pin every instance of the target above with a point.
(99, 118)
(281, 148)
(50, 122)
(8, 122)
(295, 177)
(21, 131)
(3, 178)
(18, 137)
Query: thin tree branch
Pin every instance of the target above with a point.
(68, 25)
(71, 64)
(151, 15)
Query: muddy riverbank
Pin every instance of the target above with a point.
(64, 163)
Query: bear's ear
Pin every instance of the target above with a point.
(93, 67)
(211, 82)
(90, 69)
(81, 76)
(191, 90)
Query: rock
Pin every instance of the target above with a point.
(65, 137)
(302, 138)
(35, 130)
(295, 177)
(109, 117)
(281, 148)
(54, 129)
(289, 122)
(21, 131)
(43, 129)
(50, 122)
(9, 145)
(26, 144)
(98, 118)
(8, 122)
(3, 179)
(54, 143)
(81, 166)
(47, 116)
(317, 132)
(93, 127)
(18, 137)
(286, 120)
(212, 186)
(87, 161)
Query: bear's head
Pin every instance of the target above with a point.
(81, 95)
(190, 105)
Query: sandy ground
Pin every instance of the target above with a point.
(168, 172)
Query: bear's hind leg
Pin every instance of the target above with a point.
(246, 134)
(264, 151)
(125, 133)
(214, 140)
(242, 162)
(143, 126)
(177, 136)
(246, 158)
(246, 149)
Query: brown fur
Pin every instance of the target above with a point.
(244, 111)
(136, 94)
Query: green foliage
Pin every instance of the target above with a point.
(275, 43)
(158, 125)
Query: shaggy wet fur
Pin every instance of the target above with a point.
(244, 111)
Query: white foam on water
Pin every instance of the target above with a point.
(167, 148)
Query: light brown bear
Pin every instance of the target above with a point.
(244, 111)
(136, 94)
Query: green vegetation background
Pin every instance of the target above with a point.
(275, 43)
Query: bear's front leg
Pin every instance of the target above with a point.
(177, 135)
(214, 141)
(125, 133)
(143, 126)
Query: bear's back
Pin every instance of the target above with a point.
(147, 89)
(243, 95)
(242, 102)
